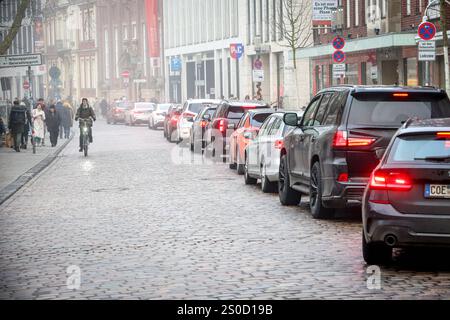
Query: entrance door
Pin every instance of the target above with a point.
(389, 72)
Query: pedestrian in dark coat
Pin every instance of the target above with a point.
(60, 111)
(53, 122)
(18, 117)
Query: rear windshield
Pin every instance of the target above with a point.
(258, 119)
(144, 106)
(236, 112)
(196, 107)
(385, 110)
(210, 111)
(421, 148)
(163, 107)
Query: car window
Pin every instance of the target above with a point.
(258, 119)
(322, 109)
(235, 112)
(308, 117)
(418, 148)
(265, 128)
(336, 104)
(386, 110)
(195, 107)
(242, 121)
(163, 107)
(275, 127)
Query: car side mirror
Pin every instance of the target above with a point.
(249, 135)
(291, 119)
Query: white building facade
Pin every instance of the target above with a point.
(197, 39)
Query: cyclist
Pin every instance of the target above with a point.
(85, 112)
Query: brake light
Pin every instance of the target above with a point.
(279, 144)
(343, 177)
(174, 119)
(401, 95)
(341, 139)
(222, 125)
(203, 123)
(394, 181)
(445, 135)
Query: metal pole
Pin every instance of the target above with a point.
(29, 81)
(427, 73)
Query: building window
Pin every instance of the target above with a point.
(116, 51)
(383, 8)
(357, 13)
(107, 62)
(411, 72)
(408, 7)
(134, 31)
(348, 13)
(125, 32)
(82, 74)
(144, 46)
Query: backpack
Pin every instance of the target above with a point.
(18, 117)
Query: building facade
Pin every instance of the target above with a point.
(125, 67)
(29, 40)
(198, 62)
(381, 45)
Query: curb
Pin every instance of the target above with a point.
(8, 191)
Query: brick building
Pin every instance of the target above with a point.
(381, 44)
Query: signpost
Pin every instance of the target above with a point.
(339, 56)
(426, 31)
(427, 47)
(125, 74)
(24, 60)
(258, 75)
(339, 70)
(236, 50)
(338, 43)
(175, 64)
(26, 85)
(257, 64)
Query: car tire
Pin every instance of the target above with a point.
(240, 166)
(318, 210)
(248, 180)
(376, 253)
(266, 185)
(287, 195)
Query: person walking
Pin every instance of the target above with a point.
(17, 119)
(41, 102)
(53, 122)
(104, 107)
(38, 116)
(60, 111)
(67, 119)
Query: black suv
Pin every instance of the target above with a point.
(342, 137)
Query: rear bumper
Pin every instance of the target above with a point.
(381, 220)
(344, 194)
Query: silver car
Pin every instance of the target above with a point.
(262, 155)
(139, 113)
(156, 119)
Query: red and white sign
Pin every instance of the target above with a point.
(151, 11)
(26, 85)
(426, 31)
(125, 74)
(257, 65)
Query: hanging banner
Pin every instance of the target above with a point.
(151, 10)
(38, 35)
(323, 11)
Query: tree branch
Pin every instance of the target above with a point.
(6, 44)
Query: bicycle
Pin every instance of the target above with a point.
(85, 126)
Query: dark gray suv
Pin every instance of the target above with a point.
(341, 139)
(407, 201)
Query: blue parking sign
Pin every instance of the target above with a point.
(175, 64)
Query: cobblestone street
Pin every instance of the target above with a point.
(141, 226)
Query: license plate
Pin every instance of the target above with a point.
(437, 191)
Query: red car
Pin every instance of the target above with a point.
(246, 131)
(117, 112)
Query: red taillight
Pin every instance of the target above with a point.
(341, 139)
(401, 95)
(174, 119)
(443, 135)
(203, 123)
(222, 125)
(343, 177)
(279, 144)
(394, 181)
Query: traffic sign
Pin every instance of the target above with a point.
(175, 64)
(426, 31)
(427, 50)
(26, 85)
(339, 70)
(427, 55)
(258, 75)
(257, 64)
(125, 74)
(339, 56)
(338, 43)
(23, 60)
(236, 50)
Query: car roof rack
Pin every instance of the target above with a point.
(409, 122)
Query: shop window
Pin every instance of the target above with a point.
(411, 72)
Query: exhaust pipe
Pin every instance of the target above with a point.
(390, 240)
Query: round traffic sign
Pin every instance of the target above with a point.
(339, 56)
(338, 43)
(26, 85)
(125, 74)
(257, 64)
(426, 31)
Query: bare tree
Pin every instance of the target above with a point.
(294, 25)
(17, 23)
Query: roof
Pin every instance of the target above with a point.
(383, 88)
(246, 103)
(424, 126)
(261, 110)
(205, 101)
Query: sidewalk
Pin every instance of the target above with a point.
(17, 168)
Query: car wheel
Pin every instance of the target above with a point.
(248, 180)
(233, 166)
(287, 195)
(318, 211)
(266, 185)
(376, 253)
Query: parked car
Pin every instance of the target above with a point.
(407, 201)
(341, 138)
(156, 119)
(246, 130)
(224, 121)
(201, 121)
(171, 121)
(139, 113)
(190, 110)
(262, 155)
(117, 111)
